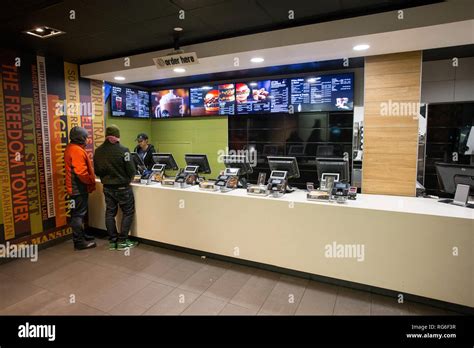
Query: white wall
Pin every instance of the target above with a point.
(441, 82)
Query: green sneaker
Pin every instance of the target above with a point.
(127, 244)
(112, 246)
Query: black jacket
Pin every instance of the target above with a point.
(113, 163)
(148, 156)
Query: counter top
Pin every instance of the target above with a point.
(413, 205)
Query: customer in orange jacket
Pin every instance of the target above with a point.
(80, 181)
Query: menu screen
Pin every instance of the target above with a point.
(170, 103)
(130, 102)
(253, 97)
(204, 100)
(226, 99)
(280, 94)
(262, 96)
(323, 93)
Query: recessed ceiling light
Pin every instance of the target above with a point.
(361, 47)
(311, 80)
(119, 78)
(178, 29)
(179, 70)
(257, 60)
(44, 32)
(253, 84)
(206, 87)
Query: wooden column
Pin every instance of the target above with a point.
(391, 95)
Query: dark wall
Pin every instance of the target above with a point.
(444, 123)
(303, 136)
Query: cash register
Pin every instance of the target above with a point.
(237, 167)
(457, 182)
(333, 176)
(195, 164)
(142, 175)
(282, 169)
(163, 161)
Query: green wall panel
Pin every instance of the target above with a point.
(129, 127)
(178, 136)
(192, 135)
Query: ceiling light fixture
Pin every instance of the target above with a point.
(44, 32)
(361, 47)
(257, 60)
(178, 29)
(119, 78)
(311, 80)
(179, 70)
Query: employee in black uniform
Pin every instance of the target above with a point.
(145, 150)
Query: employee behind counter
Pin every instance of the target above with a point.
(145, 150)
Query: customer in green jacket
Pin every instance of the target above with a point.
(114, 165)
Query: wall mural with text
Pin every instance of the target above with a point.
(41, 99)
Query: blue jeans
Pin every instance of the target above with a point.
(119, 197)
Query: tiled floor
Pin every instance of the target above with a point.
(156, 281)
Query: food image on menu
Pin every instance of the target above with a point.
(204, 100)
(170, 103)
(260, 94)
(253, 97)
(227, 99)
(211, 101)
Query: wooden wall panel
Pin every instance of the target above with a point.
(391, 139)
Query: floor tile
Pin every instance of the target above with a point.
(255, 291)
(205, 306)
(229, 284)
(63, 306)
(231, 309)
(140, 302)
(385, 305)
(203, 279)
(110, 297)
(173, 304)
(31, 304)
(352, 302)
(285, 296)
(318, 299)
(13, 290)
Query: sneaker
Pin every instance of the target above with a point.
(112, 246)
(127, 244)
(84, 245)
(88, 237)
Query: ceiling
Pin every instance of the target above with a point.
(108, 29)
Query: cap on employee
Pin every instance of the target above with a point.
(142, 137)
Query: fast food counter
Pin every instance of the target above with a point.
(404, 244)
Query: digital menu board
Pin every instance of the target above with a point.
(170, 103)
(262, 96)
(323, 93)
(226, 99)
(204, 100)
(280, 95)
(130, 102)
